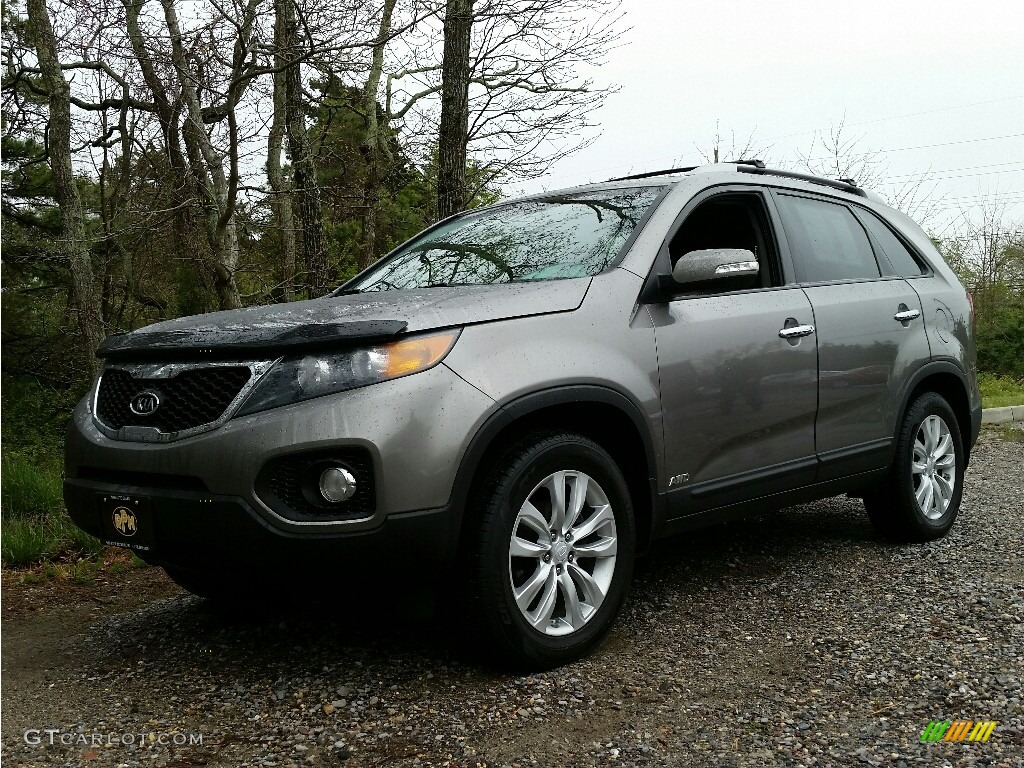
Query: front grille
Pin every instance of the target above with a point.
(190, 399)
(289, 485)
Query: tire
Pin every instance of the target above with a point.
(570, 584)
(920, 498)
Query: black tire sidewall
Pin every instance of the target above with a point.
(531, 466)
(931, 404)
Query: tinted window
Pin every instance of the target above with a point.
(828, 241)
(546, 238)
(900, 258)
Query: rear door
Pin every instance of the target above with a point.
(870, 332)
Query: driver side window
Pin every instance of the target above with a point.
(730, 221)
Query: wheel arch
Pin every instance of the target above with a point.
(946, 379)
(603, 414)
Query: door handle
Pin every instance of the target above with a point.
(906, 315)
(796, 331)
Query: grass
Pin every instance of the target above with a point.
(29, 488)
(28, 540)
(80, 570)
(999, 391)
(33, 524)
(1005, 432)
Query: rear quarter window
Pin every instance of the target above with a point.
(899, 255)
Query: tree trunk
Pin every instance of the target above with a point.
(74, 245)
(373, 147)
(222, 230)
(305, 184)
(454, 128)
(282, 191)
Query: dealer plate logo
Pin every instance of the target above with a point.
(125, 521)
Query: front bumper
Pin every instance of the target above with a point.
(207, 533)
(203, 489)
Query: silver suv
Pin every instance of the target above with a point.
(512, 406)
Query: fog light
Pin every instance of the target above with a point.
(337, 484)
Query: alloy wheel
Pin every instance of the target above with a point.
(562, 552)
(934, 467)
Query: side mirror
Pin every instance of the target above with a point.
(714, 264)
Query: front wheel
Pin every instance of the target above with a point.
(553, 553)
(921, 496)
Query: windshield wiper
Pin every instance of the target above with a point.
(454, 285)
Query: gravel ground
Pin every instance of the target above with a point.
(795, 639)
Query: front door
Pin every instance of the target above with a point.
(738, 398)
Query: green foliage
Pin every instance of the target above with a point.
(28, 489)
(35, 416)
(33, 523)
(31, 540)
(991, 266)
(1000, 334)
(1000, 391)
(404, 198)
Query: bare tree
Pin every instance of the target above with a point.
(719, 151)
(516, 103)
(988, 253)
(836, 154)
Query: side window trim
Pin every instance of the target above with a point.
(662, 261)
(775, 192)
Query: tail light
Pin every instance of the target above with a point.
(970, 302)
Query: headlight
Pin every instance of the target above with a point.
(301, 378)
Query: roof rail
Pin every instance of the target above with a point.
(845, 185)
(758, 167)
(648, 175)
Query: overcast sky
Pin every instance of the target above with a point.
(904, 75)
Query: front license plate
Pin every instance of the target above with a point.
(127, 522)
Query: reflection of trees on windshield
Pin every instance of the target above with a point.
(541, 239)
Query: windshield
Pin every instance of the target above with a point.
(546, 238)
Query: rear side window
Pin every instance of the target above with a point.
(901, 259)
(828, 241)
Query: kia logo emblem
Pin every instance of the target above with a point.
(145, 403)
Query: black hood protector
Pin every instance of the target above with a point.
(220, 343)
(339, 321)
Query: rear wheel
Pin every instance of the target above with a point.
(920, 498)
(552, 556)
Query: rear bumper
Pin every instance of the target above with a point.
(208, 533)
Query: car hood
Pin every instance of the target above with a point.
(343, 320)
